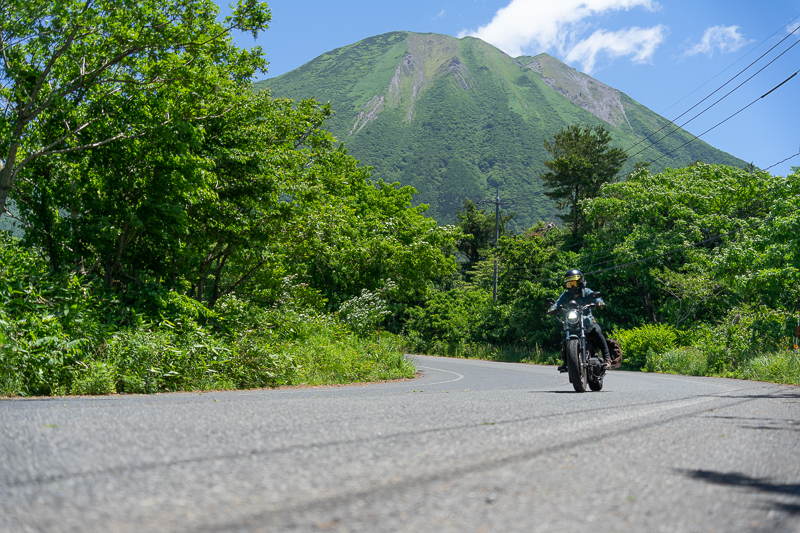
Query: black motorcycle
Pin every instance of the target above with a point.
(583, 360)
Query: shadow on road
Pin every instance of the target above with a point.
(552, 392)
(775, 424)
(759, 484)
(793, 395)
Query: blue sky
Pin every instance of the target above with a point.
(668, 55)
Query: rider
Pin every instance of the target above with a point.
(575, 284)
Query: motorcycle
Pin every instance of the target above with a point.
(583, 360)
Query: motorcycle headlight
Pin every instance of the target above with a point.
(572, 317)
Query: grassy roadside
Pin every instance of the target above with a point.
(67, 334)
(782, 366)
(152, 359)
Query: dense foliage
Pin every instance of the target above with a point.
(68, 334)
(582, 162)
(224, 239)
(77, 75)
(699, 267)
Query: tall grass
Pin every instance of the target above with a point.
(781, 367)
(149, 359)
(63, 334)
(776, 367)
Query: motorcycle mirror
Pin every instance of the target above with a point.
(550, 301)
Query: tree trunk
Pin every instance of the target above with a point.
(6, 176)
(575, 212)
(44, 219)
(647, 299)
(216, 293)
(122, 242)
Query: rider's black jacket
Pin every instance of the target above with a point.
(582, 297)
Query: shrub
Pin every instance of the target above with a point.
(450, 318)
(782, 367)
(743, 334)
(97, 377)
(688, 361)
(365, 312)
(653, 340)
(326, 352)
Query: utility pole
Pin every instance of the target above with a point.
(497, 203)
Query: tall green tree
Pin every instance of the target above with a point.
(582, 162)
(478, 227)
(371, 233)
(71, 70)
(271, 164)
(695, 241)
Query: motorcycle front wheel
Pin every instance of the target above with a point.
(577, 374)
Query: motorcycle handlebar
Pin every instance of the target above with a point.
(581, 307)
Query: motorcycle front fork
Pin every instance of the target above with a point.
(581, 352)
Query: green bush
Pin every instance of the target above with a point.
(781, 367)
(365, 312)
(744, 333)
(330, 355)
(64, 334)
(648, 341)
(688, 361)
(450, 318)
(97, 377)
(150, 359)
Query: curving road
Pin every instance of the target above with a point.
(470, 446)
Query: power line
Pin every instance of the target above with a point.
(671, 122)
(732, 64)
(695, 137)
(785, 160)
(678, 127)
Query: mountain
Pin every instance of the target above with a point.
(456, 118)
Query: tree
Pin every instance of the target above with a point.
(478, 228)
(369, 233)
(582, 162)
(704, 224)
(272, 161)
(71, 70)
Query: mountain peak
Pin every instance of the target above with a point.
(455, 117)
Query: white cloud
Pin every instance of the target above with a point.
(441, 15)
(721, 38)
(640, 43)
(532, 26)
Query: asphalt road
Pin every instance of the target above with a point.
(470, 446)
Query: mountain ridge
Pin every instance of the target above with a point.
(456, 118)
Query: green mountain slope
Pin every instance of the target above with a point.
(455, 118)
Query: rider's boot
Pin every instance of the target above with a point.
(607, 358)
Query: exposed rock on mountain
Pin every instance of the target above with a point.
(595, 97)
